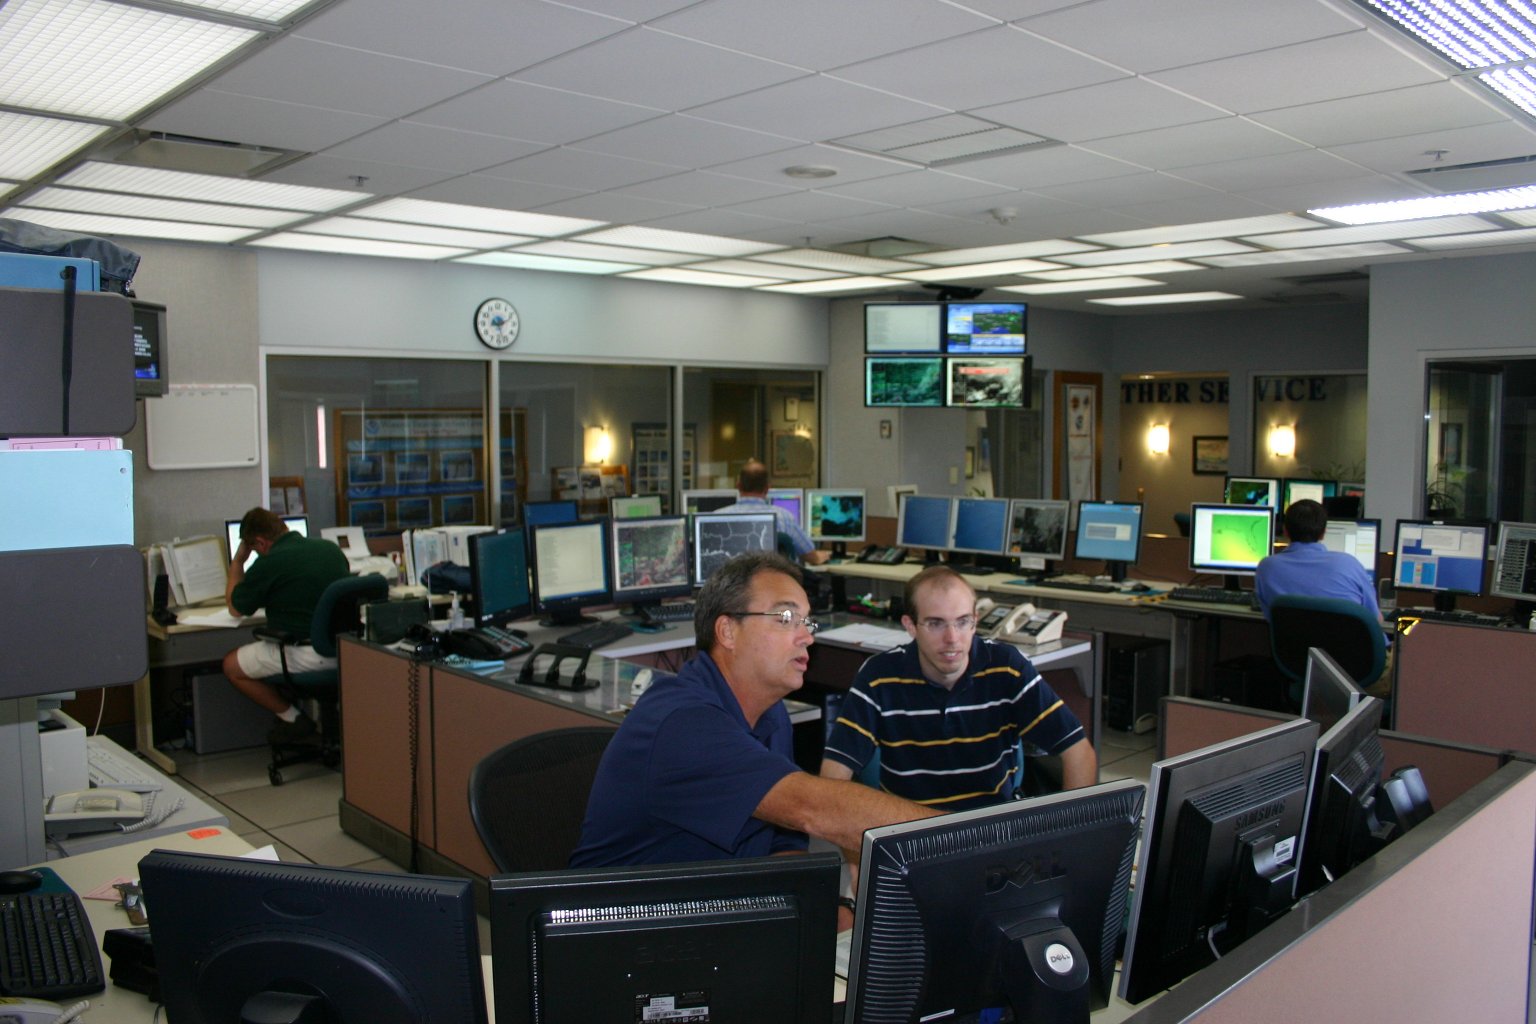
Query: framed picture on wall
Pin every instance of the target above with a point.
(1210, 455)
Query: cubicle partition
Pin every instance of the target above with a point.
(1470, 684)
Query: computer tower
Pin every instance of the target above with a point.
(223, 718)
(1135, 676)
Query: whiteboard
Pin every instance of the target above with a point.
(202, 426)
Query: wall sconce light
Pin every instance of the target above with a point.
(1157, 439)
(598, 445)
(1282, 441)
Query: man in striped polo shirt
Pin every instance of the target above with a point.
(946, 710)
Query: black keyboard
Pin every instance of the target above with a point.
(1435, 615)
(1091, 588)
(47, 949)
(1215, 595)
(600, 635)
(677, 611)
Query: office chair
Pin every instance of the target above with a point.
(1344, 629)
(528, 798)
(338, 611)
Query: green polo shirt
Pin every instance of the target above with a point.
(288, 580)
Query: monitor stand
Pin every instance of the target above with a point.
(1232, 583)
(1445, 601)
(839, 550)
(564, 618)
(1116, 571)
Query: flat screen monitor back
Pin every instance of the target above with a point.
(1344, 825)
(1327, 693)
(498, 574)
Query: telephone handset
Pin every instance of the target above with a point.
(14, 1010)
(94, 810)
(1023, 625)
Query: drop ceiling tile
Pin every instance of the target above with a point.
(850, 166)
(816, 108)
(680, 139)
(1211, 206)
(1131, 188)
(1013, 10)
(519, 110)
(731, 224)
(659, 70)
(846, 31)
(1364, 188)
(809, 206)
(1186, 145)
(616, 208)
(1020, 65)
(1097, 111)
(705, 188)
(333, 172)
(1272, 171)
(494, 37)
(1038, 167)
(1186, 31)
(568, 168)
(1459, 146)
(424, 145)
(500, 193)
(210, 114)
(1438, 106)
(918, 225)
(916, 188)
(629, 10)
(1286, 76)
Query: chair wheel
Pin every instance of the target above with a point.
(275, 775)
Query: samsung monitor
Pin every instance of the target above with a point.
(1230, 539)
(903, 381)
(896, 327)
(1345, 823)
(1297, 488)
(650, 559)
(980, 526)
(791, 500)
(570, 570)
(835, 515)
(1447, 558)
(708, 499)
(985, 328)
(922, 521)
(719, 537)
(1218, 852)
(498, 577)
(1109, 531)
(542, 513)
(1360, 538)
(1514, 566)
(747, 941)
(1328, 692)
(1010, 912)
(977, 382)
(1038, 530)
(635, 506)
(255, 940)
(298, 524)
(1253, 490)
(150, 377)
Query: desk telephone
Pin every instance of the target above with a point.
(1024, 624)
(37, 1011)
(482, 643)
(94, 810)
(883, 556)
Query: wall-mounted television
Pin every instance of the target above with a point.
(896, 327)
(900, 381)
(982, 383)
(985, 328)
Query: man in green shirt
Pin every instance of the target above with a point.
(290, 573)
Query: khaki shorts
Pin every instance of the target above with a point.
(260, 660)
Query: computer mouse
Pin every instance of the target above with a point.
(12, 882)
(1138, 588)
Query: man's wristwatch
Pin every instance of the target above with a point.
(846, 901)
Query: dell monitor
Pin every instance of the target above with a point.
(150, 378)
(719, 537)
(903, 327)
(903, 381)
(1009, 912)
(708, 500)
(1218, 852)
(1298, 488)
(255, 940)
(1328, 692)
(985, 328)
(1345, 821)
(1253, 490)
(570, 570)
(498, 577)
(980, 528)
(791, 500)
(634, 506)
(1359, 538)
(542, 513)
(1230, 539)
(835, 516)
(1446, 558)
(1037, 532)
(747, 941)
(1109, 531)
(922, 521)
(650, 559)
(298, 524)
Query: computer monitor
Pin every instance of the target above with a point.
(1327, 692)
(1360, 538)
(650, 559)
(835, 515)
(902, 381)
(1447, 558)
(922, 521)
(150, 377)
(896, 327)
(570, 570)
(1514, 566)
(240, 939)
(1218, 852)
(985, 328)
(635, 506)
(1344, 821)
(977, 382)
(1253, 490)
(979, 526)
(719, 537)
(498, 577)
(748, 941)
(791, 500)
(708, 500)
(1230, 539)
(965, 916)
(1297, 488)
(542, 513)
(1111, 531)
(1038, 530)
(298, 524)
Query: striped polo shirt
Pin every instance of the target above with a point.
(950, 749)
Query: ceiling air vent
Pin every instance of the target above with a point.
(946, 140)
(1479, 176)
(200, 156)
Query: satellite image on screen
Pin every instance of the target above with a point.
(980, 383)
(722, 538)
(904, 382)
(653, 554)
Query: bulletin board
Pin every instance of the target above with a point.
(401, 469)
(202, 426)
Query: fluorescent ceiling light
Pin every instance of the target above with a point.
(977, 270)
(1525, 218)
(1393, 232)
(760, 269)
(1331, 252)
(1518, 85)
(844, 284)
(272, 11)
(34, 144)
(160, 209)
(103, 60)
(1114, 270)
(357, 246)
(1176, 251)
(681, 275)
(389, 231)
(1168, 299)
(844, 262)
(1208, 229)
(610, 253)
(677, 241)
(475, 218)
(1518, 236)
(522, 260)
(1432, 206)
(135, 227)
(1473, 34)
(211, 188)
(988, 253)
(1102, 284)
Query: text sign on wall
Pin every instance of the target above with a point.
(1174, 392)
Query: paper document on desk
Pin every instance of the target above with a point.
(209, 618)
(199, 567)
(875, 638)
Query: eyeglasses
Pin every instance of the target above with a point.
(786, 619)
(964, 624)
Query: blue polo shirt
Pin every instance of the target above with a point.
(1311, 570)
(787, 523)
(682, 776)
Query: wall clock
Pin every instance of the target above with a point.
(496, 323)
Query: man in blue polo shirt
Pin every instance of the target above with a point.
(752, 491)
(701, 768)
(946, 710)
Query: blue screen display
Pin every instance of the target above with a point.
(981, 524)
(1108, 530)
(924, 521)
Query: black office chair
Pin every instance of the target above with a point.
(528, 798)
(338, 611)
(1344, 629)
